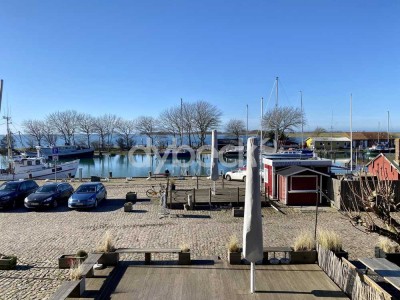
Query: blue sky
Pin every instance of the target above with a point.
(134, 58)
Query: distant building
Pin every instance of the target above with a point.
(386, 165)
(328, 143)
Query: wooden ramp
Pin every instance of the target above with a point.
(233, 196)
(221, 281)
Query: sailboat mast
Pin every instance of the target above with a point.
(388, 140)
(351, 132)
(276, 114)
(302, 129)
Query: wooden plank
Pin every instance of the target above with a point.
(384, 268)
(148, 250)
(65, 290)
(219, 281)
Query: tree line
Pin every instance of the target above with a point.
(189, 120)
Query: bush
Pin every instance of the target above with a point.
(81, 253)
(75, 272)
(387, 245)
(184, 247)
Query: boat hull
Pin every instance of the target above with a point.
(64, 170)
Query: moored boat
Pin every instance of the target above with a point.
(65, 152)
(290, 154)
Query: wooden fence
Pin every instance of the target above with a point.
(347, 277)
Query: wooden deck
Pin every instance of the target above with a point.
(221, 281)
(234, 196)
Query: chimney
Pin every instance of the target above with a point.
(397, 150)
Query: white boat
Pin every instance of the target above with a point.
(65, 152)
(290, 154)
(23, 167)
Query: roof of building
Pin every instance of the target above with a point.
(293, 170)
(390, 157)
(315, 161)
(331, 139)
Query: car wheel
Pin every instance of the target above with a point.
(228, 178)
(244, 178)
(55, 204)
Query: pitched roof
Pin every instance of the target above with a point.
(293, 170)
(390, 157)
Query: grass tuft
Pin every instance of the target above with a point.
(304, 242)
(75, 272)
(330, 240)
(106, 244)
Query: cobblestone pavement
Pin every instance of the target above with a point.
(38, 238)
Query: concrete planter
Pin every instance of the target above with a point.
(393, 257)
(238, 212)
(65, 261)
(128, 207)
(235, 258)
(8, 263)
(303, 257)
(131, 197)
(109, 259)
(184, 258)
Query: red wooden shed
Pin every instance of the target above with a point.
(299, 185)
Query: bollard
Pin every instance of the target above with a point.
(69, 175)
(190, 202)
(149, 174)
(30, 175)
(110, 174)
(80, 174)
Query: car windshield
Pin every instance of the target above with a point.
(86, 189)
(47, 189)
(10, 186)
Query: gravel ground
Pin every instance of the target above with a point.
(38, 238)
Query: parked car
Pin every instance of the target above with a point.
(88, 195)
(238, 174)
(49, 195)
(13, 193)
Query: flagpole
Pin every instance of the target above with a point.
(252, 278)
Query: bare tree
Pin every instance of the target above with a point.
(370, 204)
(235, 127)
(86, 125)
(207, 117)
(49, 134)
(318, 131)
(66, 123)
(147, 126)
(125, 129)
(188, 115)
(281, 119)
(105, 126)
(34, 128)
(171, 121)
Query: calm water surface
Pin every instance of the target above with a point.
(140, 165)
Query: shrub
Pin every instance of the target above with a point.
(233, 244)
(81, 253)
(106, 244)
(304, 242)
(330, 240)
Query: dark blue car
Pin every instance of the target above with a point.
(88, 195)
(13, 193)
(49, 195)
